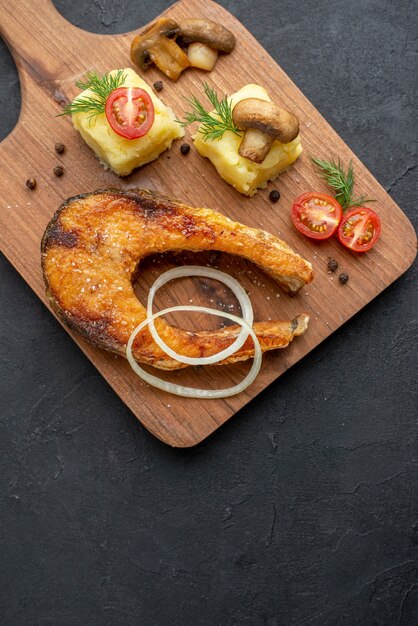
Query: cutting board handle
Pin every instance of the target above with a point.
(37, 36)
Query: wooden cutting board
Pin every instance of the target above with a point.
(50, 55)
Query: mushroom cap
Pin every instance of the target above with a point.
(149, 37)
(208, 32)
(267, 117)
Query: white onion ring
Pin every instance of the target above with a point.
(192, 392)
(236, 288)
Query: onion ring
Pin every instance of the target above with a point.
(192, 392)
(236, 288)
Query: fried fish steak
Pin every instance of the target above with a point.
(91, 249)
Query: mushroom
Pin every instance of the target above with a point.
(205, 39)
(263, 122)
(156, 45)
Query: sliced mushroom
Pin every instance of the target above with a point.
(206, 39)
(263, 122)
(155, 45)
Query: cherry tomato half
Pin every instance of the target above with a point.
(316, 215)
(130, 112)
(359, 229)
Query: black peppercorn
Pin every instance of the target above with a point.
(343, 278)
(332, 265)
(59, 148)
(185, 148)
(158, 85)
(31, 183)
(274, 195)
(58, 170)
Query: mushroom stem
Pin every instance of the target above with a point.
(263, 122)
(202, 56)
(255, 145)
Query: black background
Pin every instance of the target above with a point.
(303, 508)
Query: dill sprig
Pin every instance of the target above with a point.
(334, 174)
(211, 127)
(101, 86)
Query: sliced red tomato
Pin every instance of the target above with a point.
(130, 112)
(316, 215)
(359, 229)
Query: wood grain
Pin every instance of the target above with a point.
(50, 55)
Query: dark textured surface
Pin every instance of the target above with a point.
(303, 509)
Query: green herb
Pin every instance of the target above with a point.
(211, 127)
(334, 174)
(101, 86)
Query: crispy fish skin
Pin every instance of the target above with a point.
(91, 249)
